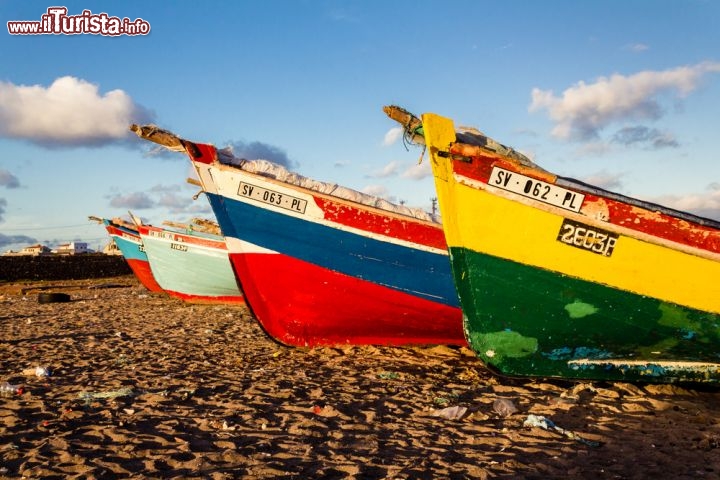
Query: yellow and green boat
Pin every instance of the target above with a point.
(558, 278)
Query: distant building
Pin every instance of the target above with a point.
(31, 250)
(72, 248)
(111, 249)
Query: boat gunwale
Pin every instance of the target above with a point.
(187, 238)
(333, 198)
(586, 188)
(328, 196)
(619, 229)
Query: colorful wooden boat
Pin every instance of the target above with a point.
(127, 239)
(318, 264)
(191, 265)
(558, 278)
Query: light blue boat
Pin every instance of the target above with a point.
(191, 265)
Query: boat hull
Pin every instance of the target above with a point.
(554, 291)
(310, 316)
(335, 273)
(567, 327)
(191, 268)
(132, 249)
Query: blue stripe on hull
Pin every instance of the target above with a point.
(424, 274)
(130, 250)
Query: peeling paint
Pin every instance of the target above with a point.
(505, 344)
(597, 209)
(567, 353)
(674, 316)
(658, 368)
(579, 309)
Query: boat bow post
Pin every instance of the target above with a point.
(157, 135)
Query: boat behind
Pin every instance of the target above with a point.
(192, 266)
(128, 241)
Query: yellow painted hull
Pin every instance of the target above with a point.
(487, 220)
(580, 286)
(511, 230)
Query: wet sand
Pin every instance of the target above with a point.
(144, 386)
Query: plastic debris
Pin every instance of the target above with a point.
(504, 407)
(123, 392)
(455, 412)
(547, 424)
(325, 411)
(10, 390)
(37, 371)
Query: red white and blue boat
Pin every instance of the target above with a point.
(324, 265)
(127, 239)
(190, 264)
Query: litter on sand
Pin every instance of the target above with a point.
(123, 392)
(547, 424)
(451, 413)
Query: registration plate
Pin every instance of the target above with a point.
(536, 189)
(272, 197)
(586, 237)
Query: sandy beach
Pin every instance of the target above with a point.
(141, 385)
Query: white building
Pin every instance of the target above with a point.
(72, 248)
(31, 250)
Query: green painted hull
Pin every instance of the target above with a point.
(526, 321)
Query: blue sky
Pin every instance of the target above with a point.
(624, 94)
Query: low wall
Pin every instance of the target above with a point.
(62, 267)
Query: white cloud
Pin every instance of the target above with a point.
(8, 180)
(608, 181)
(11, 240)
(159, 188)
(174, 203)
(645, 136)
(583, 110)
(259, 150)
(135, 201)
(418, 171)
(69, 112)
(392, 136)
(172, 198)
(636, 47)
(388, 170)
(705, 204)
(200, 208)
(592, 148)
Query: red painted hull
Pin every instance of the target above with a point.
(333, 308)
(203, 299)
(142, 271)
